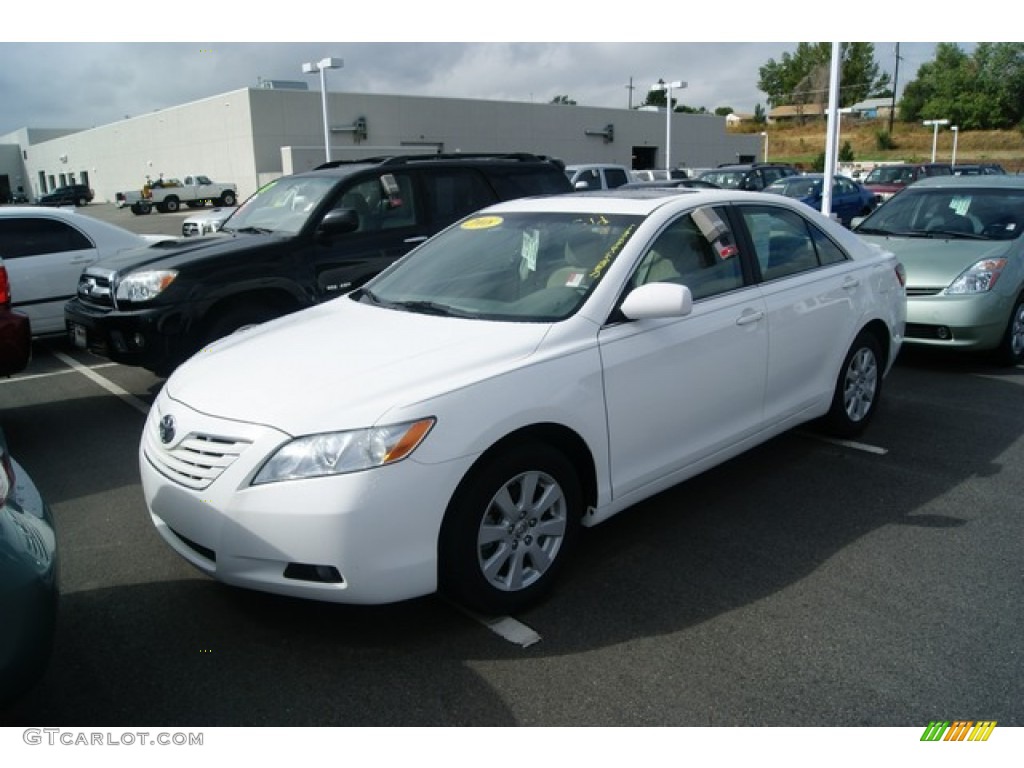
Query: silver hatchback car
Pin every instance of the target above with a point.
(959, 238)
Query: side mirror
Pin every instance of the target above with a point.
(658, 300)
(339, 221)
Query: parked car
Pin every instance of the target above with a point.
(45, 251)
(540, 366)
(884, 181)
(960, 239)
(71, 194)
(670, 184)
(298, 241)
(592, 176)
(28, 580)
(15, 331)
(658, 174)
(849, 199)
(205, 223)
(753, 176)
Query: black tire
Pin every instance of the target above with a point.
(171, 205)
(141, 209)
(509, 529)
(858, 388)
(82, 202)
(228, 199)
(1011, 348)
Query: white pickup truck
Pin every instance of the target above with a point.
(168, 195)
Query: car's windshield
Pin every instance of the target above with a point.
(724, 179)
(527, 267)
(890, 175)
(797, 187)
(991, 214)
(282, 206)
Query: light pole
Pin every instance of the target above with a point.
(322, 66)
(956, 135)
(764, 135)
(661, 85)
(935, 132)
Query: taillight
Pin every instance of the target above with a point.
(6, 476)
(901, 274)
(5, 287)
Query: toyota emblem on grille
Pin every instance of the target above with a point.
(166, 429)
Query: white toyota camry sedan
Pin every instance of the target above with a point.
(539, 366)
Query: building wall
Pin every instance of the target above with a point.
(253, 135)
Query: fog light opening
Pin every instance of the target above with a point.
(943, 333)
(325, 574)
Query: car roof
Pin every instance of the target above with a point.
(994, 181)
(343, 168)
(23, 211)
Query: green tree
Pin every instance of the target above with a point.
(759, 115)
(802, 77)
(981, 91)
(563, 100)
(724, 111)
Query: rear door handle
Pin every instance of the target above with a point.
(850, 283)
(415, 239)
(750, 316)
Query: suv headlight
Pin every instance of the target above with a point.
(981, 277)
(143, 286)
(336, 453)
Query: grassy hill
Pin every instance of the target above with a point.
(801, 144)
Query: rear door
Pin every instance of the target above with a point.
(44, 258)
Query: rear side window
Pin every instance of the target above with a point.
(514, 182)
(37, 236)
(786, 243)
(455, 193)
(615, 177)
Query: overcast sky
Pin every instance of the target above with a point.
(79, 83)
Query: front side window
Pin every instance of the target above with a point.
(37, 236)
(527, 267)
(696, 251)
(381, 204)
(615, 177)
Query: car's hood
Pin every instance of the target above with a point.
(933, 262)
(344, 365)
(173, 252)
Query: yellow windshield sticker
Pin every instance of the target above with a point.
(482, 222)
(609, 257)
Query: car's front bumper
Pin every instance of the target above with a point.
(969, 322)
(364, 537)
(150, 338)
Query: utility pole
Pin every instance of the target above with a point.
(630, 88)
(895, 80)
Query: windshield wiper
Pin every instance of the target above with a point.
(954, 234)
(252, 230)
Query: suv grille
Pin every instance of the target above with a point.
(197, 460)
(95, 287)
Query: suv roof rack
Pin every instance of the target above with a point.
(520, 157)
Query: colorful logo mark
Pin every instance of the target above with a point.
(958, 730)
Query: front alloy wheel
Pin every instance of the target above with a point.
(510, 529)
(1011, 350)
(858, 388)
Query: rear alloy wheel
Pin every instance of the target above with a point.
(510, 529)
(858, 388)
(1011, 350)
(228, 199)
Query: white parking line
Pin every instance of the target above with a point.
(48, 374)
(140, 405)
(875, 449)
(505, 627)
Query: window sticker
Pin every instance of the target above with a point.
(609, 257)
(482, 222)
(960, 205)
(529, 249)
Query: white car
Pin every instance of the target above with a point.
(541, 365)
(206, 222)
(46, 249)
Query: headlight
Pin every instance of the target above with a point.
(337, 453)
(143, 286)
(980, 278)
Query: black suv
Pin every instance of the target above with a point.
(753, 176)
(72, 194)
(298, 241)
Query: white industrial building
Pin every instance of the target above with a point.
(253, 135)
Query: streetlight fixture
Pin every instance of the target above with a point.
(661, 85)
(956, 135)
(322, 66)
(935, 132)
(764, 135)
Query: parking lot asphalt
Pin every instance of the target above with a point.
(806, 583)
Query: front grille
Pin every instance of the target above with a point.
(96, 287)
(190, 229)
(918, 291)
(196, 461)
